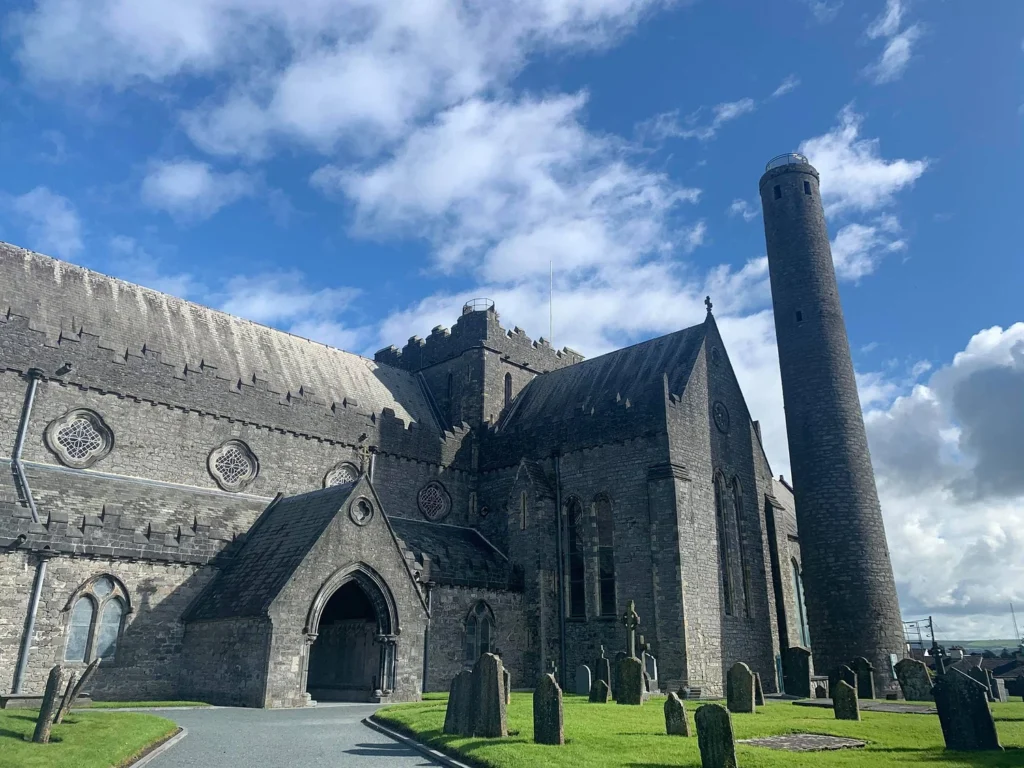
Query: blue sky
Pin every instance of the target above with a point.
(352, 171)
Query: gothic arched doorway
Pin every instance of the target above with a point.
(352, 642)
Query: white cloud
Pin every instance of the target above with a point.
(51, 221)
(668, 125)
(192, 189)
(895, 57)
(787, 85)
(743, 208)
(824, 11)
(854, 175)
(858, 248)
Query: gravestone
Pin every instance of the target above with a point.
(714, 737)
(506, 677)
(796, 665)
(460, 715)
(675, 717)
(631, 682)
(844, 701)
(615, 674)
(981, 676)
(547, 712)
(844, 673)
(631, 620)
(865, 672)
(964, 714)
(999, 690)
(603, 669)
(76, 691)
(599, 692)
(51, 699)
(490, 720)
(583, 680)
(758, 690)
(647, 680)
(915, 680)
(65, 702)
(740, 688)
(993, 695)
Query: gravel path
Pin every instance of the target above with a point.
(327, 735)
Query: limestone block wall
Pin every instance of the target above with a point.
(450, 607)
(226, 661)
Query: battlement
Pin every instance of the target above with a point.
(479, 326)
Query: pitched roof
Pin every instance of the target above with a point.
(630, 374)
(274, 548)
(61, 298)
(457, 556)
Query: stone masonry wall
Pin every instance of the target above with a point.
(226, 661)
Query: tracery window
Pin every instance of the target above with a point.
(577, 568)
(737, 503)
(479, 632)
(434, 501)
(341, 474)
(724, 559)
(801, 611)
(80, 438)
(96, 621)
(605, 555)
(233, 465)
(508, 389)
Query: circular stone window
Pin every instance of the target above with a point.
(721, 416)
(233, 465)
(434, 501)
(80, 438)
(342, 473)
(361, 511)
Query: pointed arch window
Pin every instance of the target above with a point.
(737, 506)
(508, 389)
(724, 559)
(98, 611)
(479, 632)
(605, 555)
(801, 611)
(577, 567)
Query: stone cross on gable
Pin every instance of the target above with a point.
(630, 620)
(707, 303)
(364, 459)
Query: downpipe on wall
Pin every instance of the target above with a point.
(561, 572)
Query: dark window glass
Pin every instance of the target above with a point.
(577, 570)
(605, 556)
(80, 630)
(508, 389)
(110, 626)
(778, 191)
(723, 544)
(807, 187)
(737, 503)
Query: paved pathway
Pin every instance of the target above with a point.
(327, 735)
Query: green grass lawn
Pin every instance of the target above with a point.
(83, 740)
(137, 704)
(605, 735)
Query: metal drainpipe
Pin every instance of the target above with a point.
(37, 586)
(561, 572)
(426, 634)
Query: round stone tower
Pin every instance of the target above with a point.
(850, 592)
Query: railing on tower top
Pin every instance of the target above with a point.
(477, 305)
(790, 158)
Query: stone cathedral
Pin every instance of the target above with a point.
(221, 511)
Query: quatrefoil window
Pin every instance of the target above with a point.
(80, 438)
(434, 501)
(341, 474)
(233, 465)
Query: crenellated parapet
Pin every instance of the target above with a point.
(474, 329)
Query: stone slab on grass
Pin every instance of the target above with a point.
(804, 742)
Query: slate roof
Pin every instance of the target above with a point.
(61, 298)
(633, 373)
(274, 548)
(458, 556)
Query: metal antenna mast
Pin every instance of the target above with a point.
(551, 302)
(1015, 630)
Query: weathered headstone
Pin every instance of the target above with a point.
(489, 697)
(65, 702)
(619, 656)
(844, 701)
(583, 680)
(676, 723)
(51, 700)
(506, 678)
(460, 715)
(865, 672)
(964, 714)
(758, 690)
(740, 688)
(999, 690)
(631, 682)
(714, 737)
(599, 692)
(992, 695)
(842, 673)
(796, 665)
(650, 666)
(915, 680)
(981, 676)
(83, 681)
(547, 712)
(631, 620)
(603, 669)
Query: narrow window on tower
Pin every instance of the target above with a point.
(451, 399)
(522, 511)
(577, 570)
(508, 389)
(605, 555)
(799, 316)
(778, 191)
(723, 544)
(807, 187)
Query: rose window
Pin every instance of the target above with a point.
(342, 474)
(233, 465)
(80, 438)
(434, 501)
